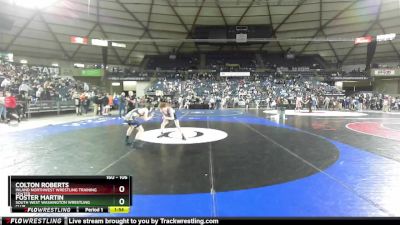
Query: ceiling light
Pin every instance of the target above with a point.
(38, 4)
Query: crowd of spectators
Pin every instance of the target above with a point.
(36, 85)
(266, 90)
(259, 89)
(372, 101)
(275, 60)
(27, 85)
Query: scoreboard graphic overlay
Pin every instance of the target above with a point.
(66, 194)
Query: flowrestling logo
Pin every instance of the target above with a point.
(193, 135)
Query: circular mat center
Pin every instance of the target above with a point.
(193, 135)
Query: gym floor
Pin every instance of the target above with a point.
(234, 163)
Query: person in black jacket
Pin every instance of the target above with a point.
(122, 105)
(309, 103)
(103, 104)
(131, 102)
(86, 104)
(95, 100)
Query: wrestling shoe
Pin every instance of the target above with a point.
(127, 142)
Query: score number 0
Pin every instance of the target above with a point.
(121, 189)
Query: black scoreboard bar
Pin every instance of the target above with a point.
(187, 221)
(61, 210)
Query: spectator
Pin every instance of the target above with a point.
(3, 111)
(103, 104)
(122, 105)
(24, 88)
(326, 103)
(96, 104)
(85, 87)
(385, 107)
(77, 102)
(86, 104)
(6, 83)
(11, 104)
(82, 97)
(131, 100)
(109, 103)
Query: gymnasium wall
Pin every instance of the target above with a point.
(387, 86)
(141, 88)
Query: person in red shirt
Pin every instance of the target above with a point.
(108, 107)
(10, 102)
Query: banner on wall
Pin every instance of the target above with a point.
(92, 73)
(234, 74)
(113, 78)
(46, 69)
(363, 40)
(385, 72)
(348, 78)
(386, 37)
(78, 72)
(79, 40)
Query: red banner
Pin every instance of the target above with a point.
(79, 40)
(362, 40)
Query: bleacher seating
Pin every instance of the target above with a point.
(165, 62)
(243, 61)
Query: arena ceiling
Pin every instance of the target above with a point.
(45, 30)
